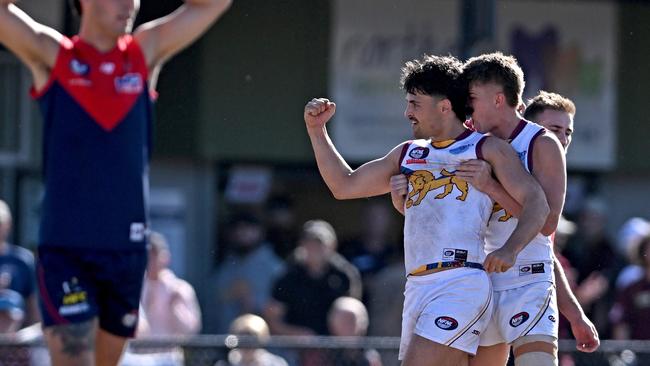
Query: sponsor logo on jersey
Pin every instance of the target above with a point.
(75, 299)
(476, 332)
(78, 67)
(416, 161)
(107, 68)
(80, 82)
(519, 319)
(446, 323)
(454, 254)
(537, 267)
(524, 270)
(129, 84)
(419, 152)
(460, 149)
(551, 318)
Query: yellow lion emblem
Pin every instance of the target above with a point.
(423, 181)
(506, 215)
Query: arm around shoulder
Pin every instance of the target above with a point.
(549, 168)
(521, 186)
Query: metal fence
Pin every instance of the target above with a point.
(224, 350)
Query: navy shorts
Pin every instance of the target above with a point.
(78, 284)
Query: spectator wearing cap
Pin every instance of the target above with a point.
(316, 276)
(17, 268)
(244, 278)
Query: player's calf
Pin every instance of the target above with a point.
(535, 350)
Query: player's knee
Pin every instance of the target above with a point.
(536, 350)
(72, 339)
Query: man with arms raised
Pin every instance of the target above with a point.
(94, 91)
(448, 295)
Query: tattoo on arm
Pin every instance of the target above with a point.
(76, 338)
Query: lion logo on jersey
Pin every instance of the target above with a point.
(506, 215)
(423, 181)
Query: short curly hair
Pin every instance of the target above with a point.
(437, 76)
(500, 69)
(545, 100)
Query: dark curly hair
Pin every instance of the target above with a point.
(437, 76)
(500, 69)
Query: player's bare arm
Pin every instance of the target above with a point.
(523, 187)
(370, 179)
(35, 44)
(478, 173)
(398, 190)
(583, 329)
(162, 38)
(549, 168)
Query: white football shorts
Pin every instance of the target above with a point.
(451, 307)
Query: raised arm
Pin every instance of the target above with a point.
(162, 38)
(370, 179)
(523, 187)
(34, 44)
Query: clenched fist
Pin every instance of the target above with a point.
(318, 111)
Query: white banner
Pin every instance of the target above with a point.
(371, 41)
(558, 44)
(569, 48)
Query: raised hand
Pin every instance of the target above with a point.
(318, 112)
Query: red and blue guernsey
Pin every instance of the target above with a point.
(97, 112)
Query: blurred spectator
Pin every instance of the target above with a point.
(630, 315)
(629, 237)
(348, 317)
(317, 276)
(169, 304)
(371, 252)
(12, 311)
(385, 299)
(589, 290)
(281, 229)
(168, 307)
(17, 268)
(592, 254)
(251, 325)
(12, 314)
(245, 277)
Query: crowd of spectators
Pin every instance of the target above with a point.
(278, 275)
